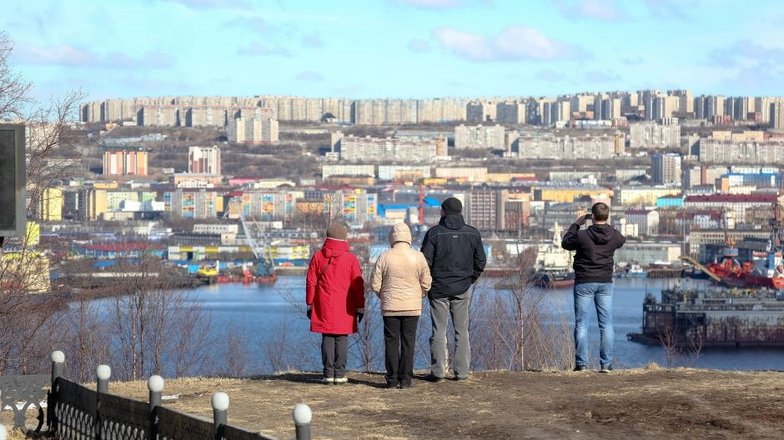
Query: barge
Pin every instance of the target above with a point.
(713, 317)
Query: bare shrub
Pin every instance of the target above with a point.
(153, 326)
(513, 324)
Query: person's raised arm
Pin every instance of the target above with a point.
(570, 240)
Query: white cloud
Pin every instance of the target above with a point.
(66, 55)
(431, 4)
(668, 8)
(513, 43)
(213, 4)
(256, 24)
(602, 10)
(256, 48)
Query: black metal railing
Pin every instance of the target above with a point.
(76, 412)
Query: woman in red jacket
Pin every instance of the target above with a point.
(335, 295)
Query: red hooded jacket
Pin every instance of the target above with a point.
(334, 289)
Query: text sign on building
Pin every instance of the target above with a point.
(12, 180)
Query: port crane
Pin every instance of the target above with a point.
(258, 241)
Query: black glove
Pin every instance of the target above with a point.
(309, 312)
(359, 317)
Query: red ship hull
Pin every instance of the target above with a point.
(737, 275)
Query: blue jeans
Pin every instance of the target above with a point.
(600, 294)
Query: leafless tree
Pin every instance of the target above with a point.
(14, 91)
(515, 328)
(237, 355)
(27, 321)
(153, 326)
(83, 340)
(669, 342)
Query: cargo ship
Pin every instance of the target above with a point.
(713, 316)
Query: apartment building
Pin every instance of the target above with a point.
(650, 135)
(666, 169)
(485, 209)
(124, 161)
(563, 147)
(255, 130)
(480, 136)
(713, 151)
(204, 160)
(401, 149)
(328, 171)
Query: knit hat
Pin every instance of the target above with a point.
(452, 206)
(337, 231)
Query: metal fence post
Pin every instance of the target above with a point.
(104, 372)
(155, 385)
(220, 413)
(58, 363)
(302, 417)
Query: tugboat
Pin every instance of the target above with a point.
(633, 270)
(553, 263)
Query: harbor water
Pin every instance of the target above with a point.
(270, 322)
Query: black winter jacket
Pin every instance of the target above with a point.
(455, 254)
(595, 246)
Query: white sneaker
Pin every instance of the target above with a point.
(328, 380)
(341, 380)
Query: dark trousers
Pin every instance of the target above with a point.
(334, 352)
(399, 340)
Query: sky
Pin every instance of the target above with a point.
(395, 48)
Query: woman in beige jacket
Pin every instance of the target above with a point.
(401, 278)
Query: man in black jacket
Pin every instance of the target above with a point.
(593, 283)
(456, 257)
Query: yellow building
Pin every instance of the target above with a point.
(569, 194)
(507, 177)
(24, 271)
(462, 174)
(32, 233)
(644, 195)
(51, 206)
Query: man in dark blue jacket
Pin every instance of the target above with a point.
(593, 283)
(456, 257)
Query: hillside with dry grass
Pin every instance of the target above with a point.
(627, 404)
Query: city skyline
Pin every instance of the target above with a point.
(395, 48)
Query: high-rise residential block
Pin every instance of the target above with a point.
(256, 130)
(125, 161)
(485, 209)
(402, 149)
(204, 160)
(563, 147)
(480, 137)
(510, 112)
(650, 135)
(666, 169)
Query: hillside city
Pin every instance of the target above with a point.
(191, 178)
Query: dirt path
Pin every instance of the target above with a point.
(631, 404)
